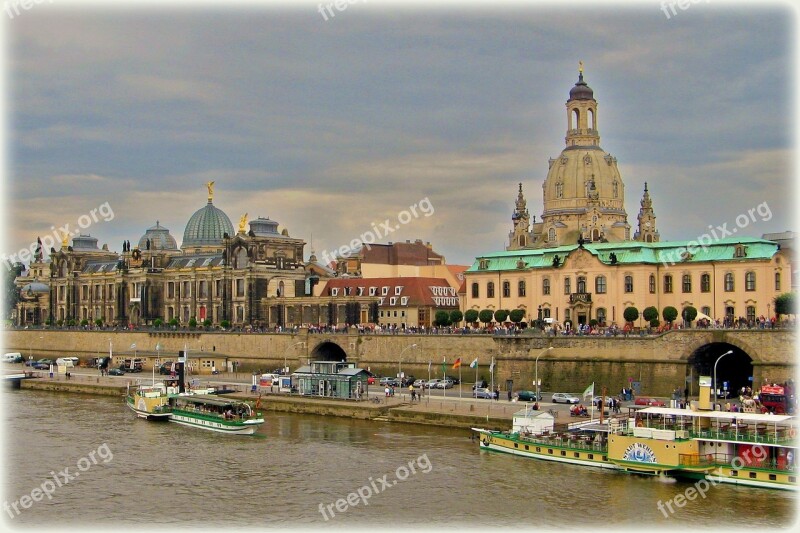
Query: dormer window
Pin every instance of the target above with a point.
(740, 251)
(334, 292)
(398, 290)
(484, 264)
(384, 291)
(520, 263)
(404, 300)
(393, 300)
(373, 290)
(686, 256)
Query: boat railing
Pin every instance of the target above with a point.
(698, 460)
(713, 460)
(758, 437)
(564, 441)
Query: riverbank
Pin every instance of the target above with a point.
(442, 412)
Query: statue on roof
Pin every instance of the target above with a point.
(65, 239)
(210, 186)
(242, 223)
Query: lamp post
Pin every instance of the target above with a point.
(715, 373)
(400, 360)
(537, 371)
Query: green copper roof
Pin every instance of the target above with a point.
(207, 227)
(632, 252)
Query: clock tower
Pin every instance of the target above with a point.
(647, 220)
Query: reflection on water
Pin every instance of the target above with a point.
(179, 475)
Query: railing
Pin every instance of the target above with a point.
(560, 442)
(696, 460)
(578, 297)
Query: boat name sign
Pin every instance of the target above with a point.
(641, 453)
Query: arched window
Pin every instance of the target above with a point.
(600, 284)
(668, 283)
(522, 240)
(616, 189)
(595, 235)
(559, 190)
(648, 238)
(628, 283)
(475, 290)
(581, 284)
(750, 281)
(567, 285)
(729, 285)
(687, 283)
(490, 289)
(546, 286)
(751, 313)
(551, 235)
(601, 315)
(506, 289)
(240, 260)
(705, 283)
(591, 125)
(521, 288)
(281, 289)
(777, 281)
(575, 123)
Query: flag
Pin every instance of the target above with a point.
(589, 392)
(474, 364)
(429, 366)
(457, 364)
(491, 366)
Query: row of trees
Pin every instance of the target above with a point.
(650, 314)
(443, 318)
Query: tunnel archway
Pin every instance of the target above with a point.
(735, 368)
(328, 351)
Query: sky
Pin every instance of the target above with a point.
(331, 127)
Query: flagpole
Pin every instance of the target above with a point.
(459, 381)
(444, 375)
(428, 396)
(592, 416)
(491, 370)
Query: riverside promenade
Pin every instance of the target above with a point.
(432, 409)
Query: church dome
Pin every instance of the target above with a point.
(207, 227)
(160, 239)
(581, 91)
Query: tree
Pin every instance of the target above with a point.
(158, 322)
(654, 323)
(84, 323)
(650, 313)
(689, 313)
(516, 316)
(225, 324)
(471, 316)
(207, 322)
(11, 293)
(785, 304)
(630, 314)
(669, 314)
(501, 315)
(486, 316)
(593, 322)
(174, 322)
(192, 322)
(98, 322)
(442, 318)
(456, 316)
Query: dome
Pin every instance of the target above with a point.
(36, 287)
(581, 91)
(263, 227)
(207, 227)
(160, 239)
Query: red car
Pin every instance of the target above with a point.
(653, 402)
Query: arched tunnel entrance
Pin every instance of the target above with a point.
(735, 369)
(328, 351)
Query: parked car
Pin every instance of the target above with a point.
(166, 368)
(14, 357)
(371, 380)
(419, 383)
(389, 382)
(432, 384)
(43, 364)
(67, 361)
(480, 384)
(654, 402)
(116, 372)
(563, 397)
(597, 399)
(484, 393)
(528, 396)
(445, 384)
(455, 380)
(407, 380)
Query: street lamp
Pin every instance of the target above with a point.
(537, 371)
(400, 359)
(715, 373)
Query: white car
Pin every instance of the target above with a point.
(67, 361)
(445, 384)
(432, 384)
(563, 397)
(418, 384)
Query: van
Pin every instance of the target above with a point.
(266, 380)
(13, 357)
(67, 361)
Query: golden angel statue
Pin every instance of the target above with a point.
(242, 223)
(210, 186)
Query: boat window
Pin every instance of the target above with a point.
(563, 453)
(591, 456)
(577, 454)
(753, 475)
(772, 477)
(734, 473)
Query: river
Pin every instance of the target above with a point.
(298, 468)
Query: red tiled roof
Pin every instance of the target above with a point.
(425, 292)
(401, 253)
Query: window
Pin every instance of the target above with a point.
(239, 287)
(521, 288)
(559, 190)
(384, 291)
(777, 281)
(705, 283)
(484, 264)
(652, 284)
(490, 290)
(506, 289)
(373, 290)
(686, 283)
(751, 313)
(546, 286)
(750, 281)
(600, 284)
(203, 289)
(601, 315)
(628, 283)
(393, 300)
(706, 310)
(398, 290)
(581, 284)
(334, 291)
(404, 301)
(567, 285)
(551, 235)
(171, 290)
(668, 283)
(729, 282)
(475, 290)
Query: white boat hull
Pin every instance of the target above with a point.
(246, 428)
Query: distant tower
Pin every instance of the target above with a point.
(647, 220)
(519, 237)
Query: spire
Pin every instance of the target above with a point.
(647, 231)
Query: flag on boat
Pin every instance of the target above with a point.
(474, 364)
(589, 392)
(457, 364)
